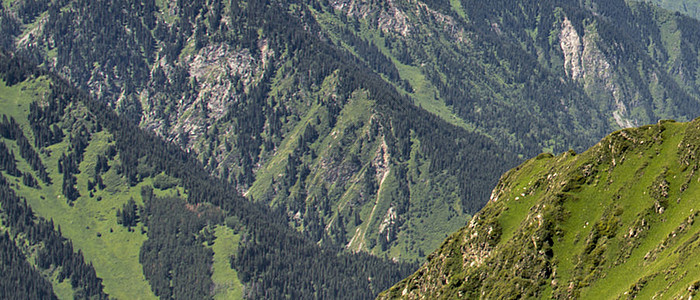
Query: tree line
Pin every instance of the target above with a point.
(343, 275)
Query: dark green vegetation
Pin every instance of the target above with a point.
(269, 102)
(20, 279)
(375, 126)
(125, 214)
(538, 75)
(688, 7)
(307, 106)
(617, 221)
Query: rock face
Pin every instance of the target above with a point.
(216, 70)
(586, 225)
(390, 17)
(585, 63)
(571, 46)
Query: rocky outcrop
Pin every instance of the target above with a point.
(584, 62)
(389, 17)
(571, 46)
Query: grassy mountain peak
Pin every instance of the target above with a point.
(614, 221)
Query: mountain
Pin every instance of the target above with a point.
(267, 103)
(368, 121)
(365, 126)
(541, 75)
(94, 207)
(616, 221)
(690, 8)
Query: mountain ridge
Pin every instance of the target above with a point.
(574, 225)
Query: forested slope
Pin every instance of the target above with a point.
(268, 103)
(536, 75)
(377, 126)
(690, 8)
(296, 103)
(94, 204)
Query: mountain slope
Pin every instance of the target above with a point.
(614, 221)
(52, 197)
(540, 75)
(95, 204)
(268, 103)
(691, 8)
(297, 102)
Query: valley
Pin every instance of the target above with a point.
(325, 148)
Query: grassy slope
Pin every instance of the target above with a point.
(619, 279)
(656, 261)
(14, 102)
(91, 224)
(114, 254)
(424, 93)
(227, 285)
(630, 181)
(423, 233)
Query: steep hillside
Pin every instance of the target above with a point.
(691, 8)
(617, 221)
(319, 108)
(267, 102)
(91, 204)
(537, 75)
(51, 147)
